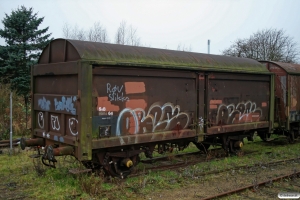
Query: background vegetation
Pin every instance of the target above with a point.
(19, 112)
(268, 44)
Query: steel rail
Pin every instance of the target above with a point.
(251, 186)
(180, 164)
(8, 145)
(8, 141)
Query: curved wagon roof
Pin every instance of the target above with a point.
(65, 50)
(290, 68)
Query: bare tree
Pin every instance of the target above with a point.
(184, 48)
(120, 37)
(96, 33)
(127, 35)
(67, 29)
(268, 44)
(133, 39)
(78, 34)
(73, 32)
(179, 47)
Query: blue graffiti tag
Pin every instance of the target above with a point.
(66, 104)
(44, 103)
(61, 139)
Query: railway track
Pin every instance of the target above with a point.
(6, 143)
(257, 182)
(262, 180)
(192, 158)
(188, 163)
(265, 189)
(212, 154)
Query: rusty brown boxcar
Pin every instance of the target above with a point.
(106, 103)
(287, 99)
(237, 105)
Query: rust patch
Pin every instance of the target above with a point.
(212, 106)
(255, 117)
(215, 101)
(212, 76)
(134, 87)
(251, 117)
(135, 103)
(131, 125)
(293, 104)
(277, 70)
(264, 104)
(105, 105)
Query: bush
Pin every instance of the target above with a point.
(19, 114)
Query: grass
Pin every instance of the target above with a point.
(25, 176)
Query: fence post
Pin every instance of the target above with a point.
(10, 134)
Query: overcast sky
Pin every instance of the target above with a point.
(167, 23)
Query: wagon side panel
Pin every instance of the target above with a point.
(280, 93)
(237, 102)
(55, 105)
(135, 106)
(294, 85)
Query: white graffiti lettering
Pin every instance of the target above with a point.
(101, 109)
(142, 116)
(127, 122)
(44, 103)
(41, 120)
(55, 122)
(201, 124)
(243, 112)
(73, 126)
(66, 104)
(115, 93)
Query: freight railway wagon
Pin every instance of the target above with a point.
(106, 103)
(287, 99)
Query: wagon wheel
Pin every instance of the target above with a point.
(235, 147)
(291, 136)
(203, 146)
(94, 166)
(264, 135)
(120, 167)
(296, 133)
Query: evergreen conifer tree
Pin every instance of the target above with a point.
(24, 42)
(3, 58)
